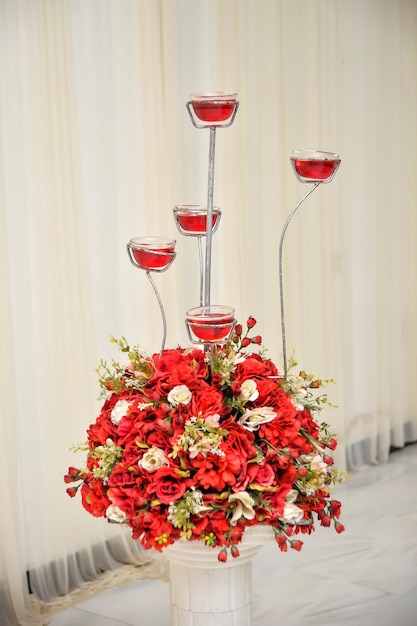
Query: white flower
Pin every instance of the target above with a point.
(298, 403)
(114, 514)
(120, 410)
(318, 465)
(244, 506)
(142, 406)
(292, 513)
(251, 420)
(202, 445)
(248, 391)
(180, 394)
(195, 500)
(315, 462)
(298, 391)
(153, 459)
(213, 420)
(318, 469)
(297, 385)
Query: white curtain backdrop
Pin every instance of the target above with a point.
(96, 147)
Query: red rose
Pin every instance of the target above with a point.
(168, 485)
(177, 367)
(254, 366)
(277, 500)
(153, 530)
(94, 497)
(131, 456)
(284, 429)
(269, 393)
(159, 440)
(216, 471)
(147, 421)
(265, 475)
(208, 401)
(102, 429)
(239, 442)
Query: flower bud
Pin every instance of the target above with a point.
(251, 322)
(296, 544)
(234, 551)
(222, 556)
(238, 330)
(335, 508)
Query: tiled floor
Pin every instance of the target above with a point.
(366, 576)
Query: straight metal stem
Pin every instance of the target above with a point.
(161, 306)
(209, 227)
(200, 258)
(281, 288)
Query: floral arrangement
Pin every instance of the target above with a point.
(201, 445)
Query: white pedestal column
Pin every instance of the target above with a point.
(206, 592)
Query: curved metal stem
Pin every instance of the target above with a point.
(161, 306)
(281, 288)
(209, 228)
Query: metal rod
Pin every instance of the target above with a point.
(200, 258)
(281, 288)
(161, 306)
(209, 227)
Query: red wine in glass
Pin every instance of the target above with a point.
(220, 111)
(191, 220)
(314, 166)
(211, 323)
(216, 108)
(151, 253)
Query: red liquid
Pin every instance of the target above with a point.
(315, 170)
(196, 223)
(214, 111)
(147, 259)
(214, 329)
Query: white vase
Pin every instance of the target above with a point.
(207, 592)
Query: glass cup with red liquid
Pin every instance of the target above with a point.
(212, 109)
(314, 166)
(212, 323)
(191, 219)
(151, 253)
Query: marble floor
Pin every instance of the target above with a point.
(366, 576)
